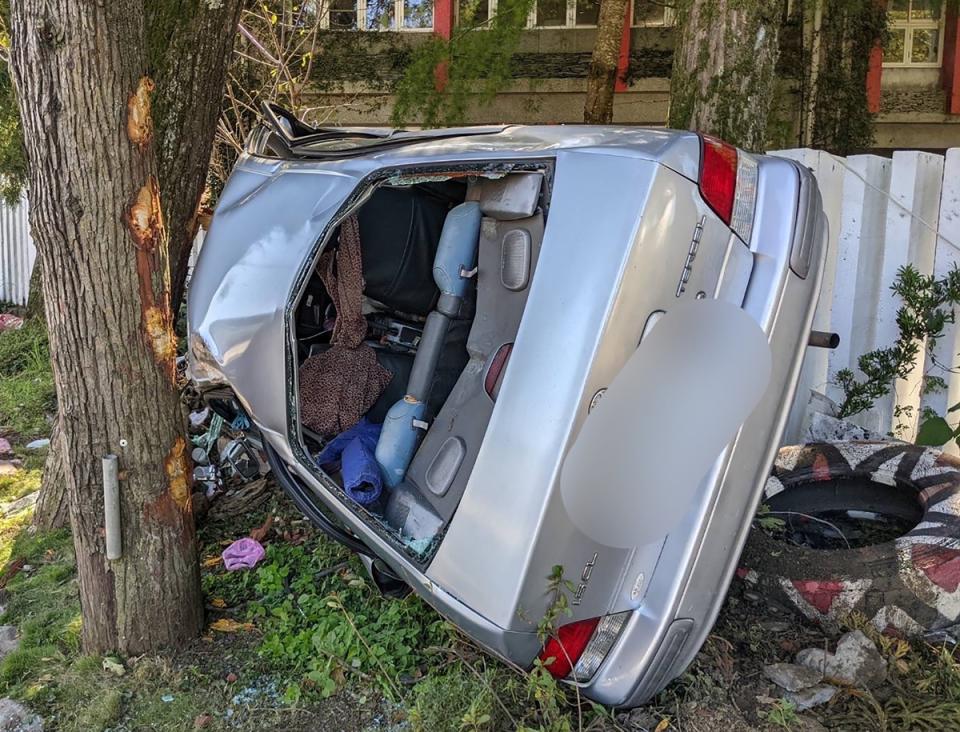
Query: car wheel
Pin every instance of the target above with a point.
(860, 527)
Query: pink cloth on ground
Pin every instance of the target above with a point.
(242, 554)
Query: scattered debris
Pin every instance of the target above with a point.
(242, 554)
(9, 321)
(810, 697)
(824, 428)
(260, 533)
(226, 625)
(38, 444)
(113, 666)
(856, 661)
(21, 504)
(240, 501)
(792, 677)
(166, 698)
(198, 418)
(14, 717)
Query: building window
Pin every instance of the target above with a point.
(475, 12)
(915, 33)
(651, 13)
(377, 15)
(584, 13)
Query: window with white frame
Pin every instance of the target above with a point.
(915, 35)
(405, 15)
(584, 13)
(651, 13)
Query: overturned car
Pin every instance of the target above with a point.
(419, 323)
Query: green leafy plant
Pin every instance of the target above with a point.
(445, 77)
(783, 713)
(928, 307)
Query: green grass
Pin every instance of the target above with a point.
(27, 394)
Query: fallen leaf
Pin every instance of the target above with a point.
(211, 561)
(663, 725)
(202, 721)
(218, 602)
(231, 677)
(260, 533)
(226, 625)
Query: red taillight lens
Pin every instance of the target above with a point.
(718, 176)
(491, 384)
(566, 647)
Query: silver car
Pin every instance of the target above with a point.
(507, 275)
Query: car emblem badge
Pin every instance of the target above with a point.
(691, 255)
(584, 579)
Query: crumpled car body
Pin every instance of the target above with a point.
(586, 236)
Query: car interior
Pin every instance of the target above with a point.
(417, 347)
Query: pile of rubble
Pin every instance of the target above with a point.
(816, 674)
(230, 467)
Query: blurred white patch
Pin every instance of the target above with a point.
(634, 469)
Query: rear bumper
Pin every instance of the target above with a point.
(687, 589)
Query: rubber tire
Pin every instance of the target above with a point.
(908, 585)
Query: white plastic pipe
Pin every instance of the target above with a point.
(111, 506)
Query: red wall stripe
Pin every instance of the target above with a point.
(623, 61)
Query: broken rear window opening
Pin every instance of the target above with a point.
(282, 135)
(414, 292)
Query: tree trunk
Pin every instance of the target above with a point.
(35, 293)
(724, 67)
(97, 218)
(52, 510)
(192, 56)
(602, 75)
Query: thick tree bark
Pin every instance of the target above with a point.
(602, 75)
(192, 45)
(52, 510)
(35, 295)
(724, 67)
(97, 218)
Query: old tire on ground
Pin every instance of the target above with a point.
(909, 583)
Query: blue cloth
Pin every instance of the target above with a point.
(355, 450)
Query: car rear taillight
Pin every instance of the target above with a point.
(491, 384)
(728, 183)
(579, 648)
(563, 650)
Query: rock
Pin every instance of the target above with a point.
(8, 467)
(21, 504)
(792, 677)
(810, 697)
(856, 662)
(38, 444)
(824, 428)
(14, 717)
(9, 641)
(5, 449)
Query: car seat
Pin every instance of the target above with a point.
(453, 266)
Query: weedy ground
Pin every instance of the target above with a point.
(304, 642)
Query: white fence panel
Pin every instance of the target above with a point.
(866, 186)
(17, 253)
(815, 374)
(947, 352)
(915, 185)
(884, 215)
